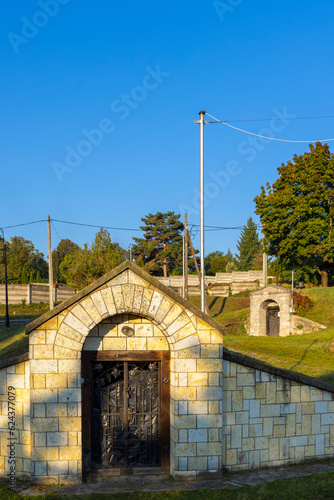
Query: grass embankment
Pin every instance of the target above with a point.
(311, 353)
(317, 486)
(13, 340)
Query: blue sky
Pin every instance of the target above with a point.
(98, 102)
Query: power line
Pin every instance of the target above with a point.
(26, 224)
(96, 226)
(263, 136)
(269, 119)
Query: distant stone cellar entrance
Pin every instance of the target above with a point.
(125, 412)
(270, 312)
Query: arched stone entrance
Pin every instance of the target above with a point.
(125, 397)
(270, 311)
(126, 316)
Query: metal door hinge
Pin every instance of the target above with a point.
(166, 380)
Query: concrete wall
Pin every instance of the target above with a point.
(33, 293)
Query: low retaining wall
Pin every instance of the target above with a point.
(33, 293)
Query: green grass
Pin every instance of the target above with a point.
(316, 486)
(311, 353)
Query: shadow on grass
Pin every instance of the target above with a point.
(221, 308)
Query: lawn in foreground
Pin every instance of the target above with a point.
(316, 486)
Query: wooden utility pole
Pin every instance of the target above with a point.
(185, 294)
(199, 275)
(50, 266)
(264, 267)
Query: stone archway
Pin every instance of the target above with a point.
(270, 311)
(125, 397)
(193, 340)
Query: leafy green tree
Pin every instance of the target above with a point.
(297, 212)
(64, 248)
(248, 246)
(22, 253)
(85, 265)
(24, 276)
(215, 262)
(160, 250)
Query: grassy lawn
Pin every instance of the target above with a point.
(311, 353)
(317, 486)
(13, 340)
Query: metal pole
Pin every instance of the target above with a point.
(183, 267)
(202, 113)
(6, 283)
(186, 256)
(130, 252)
(50, 266)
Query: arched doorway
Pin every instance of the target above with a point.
(125, 398)
(270, 318)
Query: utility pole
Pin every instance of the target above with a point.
(202, 113)
(130, 252)
(6, 283)
(185, 294)
(50, 266)
(206, 309)
(264, 266)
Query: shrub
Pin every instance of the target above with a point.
(301, 303)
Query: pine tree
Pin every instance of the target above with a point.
(31, 277)
(160, 250)
(24, 276)
(38, 277)
(248, 246)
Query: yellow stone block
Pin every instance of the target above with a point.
(114, 344)
(174, 313)
(185, 393)
(136, 280)
(63, 353)
(70, 452)
(146, 301)
(198, 408)
(216, 337)
(70, 424)
(308, 408)
(157, 344)
(22, 395)
(43, 351)
(271, 392)
(25, 437)
(109, 300)
(69, 332)
(73, 438)
(209, 365)
(41, 453)
(68, 343)
(186, 331)
(38, 381)
(198, 379)
(214, 379)
(51, 324)
(331, 435)
(58, 380)
(19, 369)
(37, 337)
(91, 310)
(295, 394)
(213, 407)
(134, 344)
(118, 298)
(210, 351)
(128, 294)
(306, 424)
(164, 308)
(204, 336)
(2, 462)
(305, 394)
(144, 330)
(231, 457)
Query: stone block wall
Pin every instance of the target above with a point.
(93, 321)
(15, 438)
(271, 420)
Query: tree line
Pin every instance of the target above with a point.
(159, 252)
(296, 214)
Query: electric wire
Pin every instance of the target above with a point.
(263, 136)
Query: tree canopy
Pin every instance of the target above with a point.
(85, 265)
(21, 254)
(248, 247)
(216, 262)
(297, 211)
(160, 250)
(64, 247)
